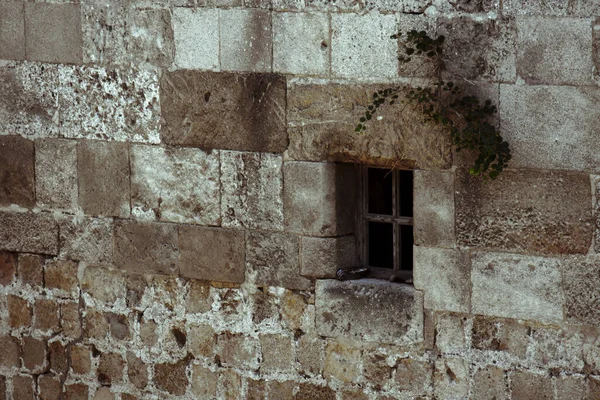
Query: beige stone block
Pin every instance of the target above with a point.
(277, 353)
(451, 379)
(434, 209)
(527, 385)
(201, 340)
(376, 369)
(238, 350)
(81, 359)
(137, 371)
(245, 40)
(450, 334)
(87, 239)
(500, 335)
(310, 354)
(488, 383)
(198, 298)
(103, 284)
(413, 375)
(581, 280)
(322, 257)
(204, 382)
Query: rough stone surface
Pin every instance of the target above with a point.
(322, 257)
(175, 184)
(104, 29)
(224, 110)
(172, 377)
(517, 212)
(31, 269)
(555, 51)
(204, 382)
(341, 362)
(277, 353)
(309, 391)
(19, 312)
(198, 298)
(550, 7)
(71, 320)
(28, 233)
(517, 286)
(87, 239)
(16, 171)
(196, 33)
(137, 371)
(526, 385)
(61, 276)
(361, 310)
(318, 198)
(46, 315)
(103, 284)
(444, 276)
(413, 375)
(152, 38)
(212, 254)
(245, 40)
(581, 279)
(201, 340)
(9, 357)
(34, 354)
(81, 362)
(56, 174)
(49, 387)
(450, 379)
(12, 31)
(146, 247)
(110, 368)
(23, 387)
(8, 267)
(489, 383)
(251, 190)
(238, 351)
(434, 209)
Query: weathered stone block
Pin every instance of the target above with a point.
(34, 354)
(318, 198)
(526, 385)
(81, 359)
(376, 370)
(251, 190)
(517, 286)
(212, 254)
(202, 340)
(197, 298)
(19, 312)
(238, 351)
(450, 335)
(375, 57)
(8, 267)
(273, 260)
(301, 43)
(119, 326)
(53, 32)
(9, 357)
(62, 276)
(151, 37)
(204, 382)
(76, 391)
(175, 184)
(109, 104)
(235, 111)
(256, 390)
(580, 283)
(49, 387)
(451, 379)
(87, 239)
(31, 269)
(56, 174)
(137, 371)
(104, 28)
(549, 7)
(23, 387)
(277, 353)
(434, 209)
(172, 377)
(310, 354)
(59, 363)
(309, 391)
(103, 393)
(196, 33)
(369, 310)
(103, 284)
(488, 383)
(46, 315)
(342, 362)
(245, 40)
(28, 233)
(146, 247)
(555, 51)
(413, 375)
(16, 171)
(500, 335)
(12, 31)
(105, 193)
(110, 368)
(70, 320)
(322, 257)
(562, 349)
(517, 212)
(282, 390)
(571, 387)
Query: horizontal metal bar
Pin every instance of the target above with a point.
(389, 219)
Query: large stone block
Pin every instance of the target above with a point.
(196, 33)
(17, 174)
(86, 239)
(555, 51)
(175, 184)
(53, 32)
(151, 37)
(444, 277)
(369, 310)
(251, 190)
(527, 385)
(212, 254)
(322, 118)
(581, 285)
(489, 383)
(547, 7)
(518, 212)
(12, 31)
(434, 209)
(56, 174)
(318, 198)
(103, 171)
(28, 233)
(245, 40)
(224, 110)
(322, 257)
(517, 286)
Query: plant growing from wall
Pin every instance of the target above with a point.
(466, 117)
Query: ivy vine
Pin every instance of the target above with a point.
(466, 117)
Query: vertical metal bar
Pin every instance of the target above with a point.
(396, 212)
(365, 208)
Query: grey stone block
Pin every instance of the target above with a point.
(196, 33)
(103, 171)
(87, 239)
(245, 40)
(319, 198)
(56, 173)
(151, 37)
(369, 310)
(251, 190)
(104, 30)
(224, 110)
(434, 208)
(517, 286)
(322, 257)
(546, 7)
(146, 248)
(12, 31)
(17, 173)
(175, 184)
(555, 51)
(581, 285)
(212, 254)
(518, 212)
(444, 276)
(53, 32)
(28, 233)
(451, 378)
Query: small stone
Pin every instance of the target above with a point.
(413, 375)
(103, 393)
(489, 382)
(19, 312)
(526, 385)
(198, 297)
(137, 371)
(293, 306)
(49, 387)
(46, 313)
(8, 267)
(70, 320)
(172, 377)
(87, 239)
(201, 340)
(148, 333)
(76, 391)
(9, 356)
(28, 233)
(376, 369)
(119, 326)
(277, 353)
(62, 276)
(34, 354)
(310, 354)
(342, 362)
(256, 390)
(231, 384)
(96, 325)
(23, 387)
(136, 287)
(282, 390)
(59, 363)
(81, 361)
(309, 391)
(451, 379)
(238, 351)
(204, 382)
(104, 284)
(31, 269)
(110, 369)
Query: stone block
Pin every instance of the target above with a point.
(17, 171)
(342, 362)
(149, 333)
(12, 31)
(76, 391)
(369, 310)
(450, 335)
(204, 382)
(137, 371)
(71, 320)
(103, 393)
(212, 254)
(56, 174)
(34, 354)
(500, 335)
(172, 377)
(3, 388)
(103, 284)
(277, 353)
(235, 111)
(488, 383)
(434, 209)
(198, 299)
(9, 357)
(310, 391)
(59, 363)
(238, 351)
(109, 104)
(322, 257)
(376, 369)
(202, 340)
(19, 312)
(245, 40)
(376, 55)
(451, 379)
(294, 308)
(251, 190)
(282, 390)
(86, 239)
(8, 267)
(196, 35)
(562, 349)
(580, 285)
(413, 375)
(62, 276)
(555, 51)
(272, 258)
(527, 385)
(31, 269)
(301, 43)
(29, 105)
(23, 387)
(105, 193)
(310, 354)
(571, 387)
(256, 390)
(549, 7)
(118, 325)
(318, 198)
(517, 286)
(322, 117)
(151, 37)
(81, 361)
(53, 33)
(104, 29)
(110, 368)
(46, 315)
(517, 212)
(95, 324)
(144, 248)
(444, 276)
(175, 184)
(230, 383)
(49, 387)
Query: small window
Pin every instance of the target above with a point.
(385, 223)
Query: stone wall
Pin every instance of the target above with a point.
(176, 194)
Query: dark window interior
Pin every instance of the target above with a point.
(381, 245)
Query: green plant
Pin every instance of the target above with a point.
(466, 117)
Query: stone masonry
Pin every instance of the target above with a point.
(177, 191)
